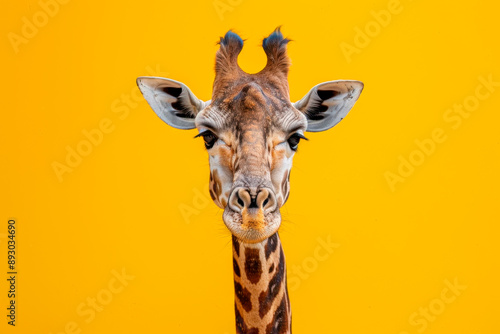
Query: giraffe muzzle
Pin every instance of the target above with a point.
(252, 213)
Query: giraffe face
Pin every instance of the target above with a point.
(251, 134)
(251, 130)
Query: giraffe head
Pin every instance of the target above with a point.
(251, 130)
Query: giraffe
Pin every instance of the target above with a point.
(251, 131)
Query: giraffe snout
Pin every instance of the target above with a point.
(252, 200)
(252, 213)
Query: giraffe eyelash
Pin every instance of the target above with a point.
(300, 135)
(294, 140)
(209, 137)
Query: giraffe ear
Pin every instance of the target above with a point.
(171, 100)
(328, 103)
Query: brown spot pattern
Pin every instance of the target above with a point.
(236, 268)
(267, 297)
(272, 243)
(241, 326)
(236, 245)
(244, 296)
(279, 324)
(253, 267)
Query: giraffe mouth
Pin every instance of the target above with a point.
(252, 226)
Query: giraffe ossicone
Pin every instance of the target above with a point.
(251, 131)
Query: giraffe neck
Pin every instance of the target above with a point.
(261, 297)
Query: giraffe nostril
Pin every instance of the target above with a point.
(267, 200)
(240, 201)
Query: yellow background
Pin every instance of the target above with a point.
(121, 206)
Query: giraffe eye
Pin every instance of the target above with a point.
(209, 137)
(294, 140)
